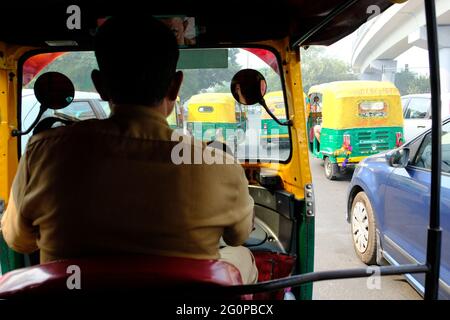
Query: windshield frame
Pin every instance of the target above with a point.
(273, 50)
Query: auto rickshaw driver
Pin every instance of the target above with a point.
(115, 164)
(316, 107)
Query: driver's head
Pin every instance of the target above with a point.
(137, 57)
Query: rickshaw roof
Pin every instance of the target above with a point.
(355, 88)
(274, 95)
(216, 98)
(232, 21)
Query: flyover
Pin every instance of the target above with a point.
(386, 36)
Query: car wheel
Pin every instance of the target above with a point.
(331, 169)
(364, 229)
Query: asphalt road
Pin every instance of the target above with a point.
(334, 249)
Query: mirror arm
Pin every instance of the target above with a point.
(287, 123)
(16, 133)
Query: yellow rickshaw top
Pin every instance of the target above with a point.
(224, 98)
(274, 95)
(340, 103)
(342, 89)
(274, 99)
(223, 108)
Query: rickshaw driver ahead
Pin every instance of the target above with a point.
(113, 187)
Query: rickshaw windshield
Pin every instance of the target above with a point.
(208, 112)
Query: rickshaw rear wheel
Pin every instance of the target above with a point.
(331, 169)
(364, 229)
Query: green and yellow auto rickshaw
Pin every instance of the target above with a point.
(216, 116)
(350, 120)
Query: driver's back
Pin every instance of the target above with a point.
(111, 186)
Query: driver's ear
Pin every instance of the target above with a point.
(99, 84)
(175, 85)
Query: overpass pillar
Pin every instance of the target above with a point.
(419, 39)
(380, 70)
(444, 56)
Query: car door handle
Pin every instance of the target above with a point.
(423, 127)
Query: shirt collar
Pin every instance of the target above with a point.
(138, 111)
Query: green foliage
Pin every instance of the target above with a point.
(212, 80)
(409, 82)
(77, 66)
(318, 67)
(272, 78)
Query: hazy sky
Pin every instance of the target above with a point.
(416, 58)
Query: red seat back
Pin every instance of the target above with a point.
(126, 273)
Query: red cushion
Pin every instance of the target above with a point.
(271, 266)
(119, 272)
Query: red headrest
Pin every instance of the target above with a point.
(119, 272)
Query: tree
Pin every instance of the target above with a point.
(409, 82)
(209, 80)
(318, 67)
(75, 65)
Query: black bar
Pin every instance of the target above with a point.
(297, 280)
(333, 14)
(434, 230)
(287, 123)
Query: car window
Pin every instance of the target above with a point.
(414, 148)
(418, 108)
(80, 110)
(106, 108)
(423, 157)
(446, 148)
(405, 102)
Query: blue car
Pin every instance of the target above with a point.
(388, 207)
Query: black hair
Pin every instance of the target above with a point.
(137, 56)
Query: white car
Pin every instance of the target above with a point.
(86, 105)
(417, 113)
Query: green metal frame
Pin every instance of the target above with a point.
(306, 243)
(273, 126)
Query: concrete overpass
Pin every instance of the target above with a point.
(383, 38)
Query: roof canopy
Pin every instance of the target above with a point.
(233, 21)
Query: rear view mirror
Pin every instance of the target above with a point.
(54, 90)
(248, 87)
(398, 158)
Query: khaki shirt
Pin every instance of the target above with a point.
(111, 187)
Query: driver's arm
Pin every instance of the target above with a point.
(18, 231)
(239, 231)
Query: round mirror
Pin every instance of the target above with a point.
(54, 90)
(248, 86)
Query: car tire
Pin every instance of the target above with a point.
(331, 169)
(363, 226)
